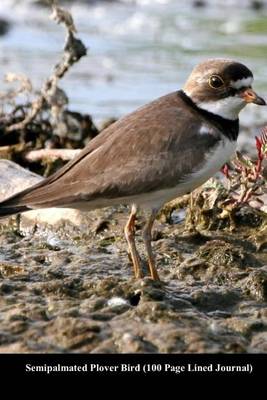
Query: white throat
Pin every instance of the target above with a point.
(228, 108)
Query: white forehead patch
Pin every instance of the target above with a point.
(244, 82)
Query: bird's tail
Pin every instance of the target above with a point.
(13, 205)
(8, 211)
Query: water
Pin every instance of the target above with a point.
(137, 50)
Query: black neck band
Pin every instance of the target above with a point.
(228, 127)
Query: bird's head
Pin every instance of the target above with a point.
(222, 87)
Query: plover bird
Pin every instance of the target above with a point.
(161, 151)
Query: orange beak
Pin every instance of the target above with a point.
(251, 97)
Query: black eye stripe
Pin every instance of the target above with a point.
(231, 92)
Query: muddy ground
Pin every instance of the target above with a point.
(74, 292)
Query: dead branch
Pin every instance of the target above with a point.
(74, 49)
(51, 154)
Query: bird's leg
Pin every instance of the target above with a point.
(147, 236)
(129, 231)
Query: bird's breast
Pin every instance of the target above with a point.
(214, 159)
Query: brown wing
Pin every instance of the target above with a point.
(137, 154)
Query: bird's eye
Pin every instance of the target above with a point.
(216, 81)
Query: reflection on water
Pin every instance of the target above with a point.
(138, 50)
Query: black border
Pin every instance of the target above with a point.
(15, 365)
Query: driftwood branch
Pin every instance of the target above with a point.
(74, 49)
(36, 106)
(51, 154)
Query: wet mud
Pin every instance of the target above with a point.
(67, 291)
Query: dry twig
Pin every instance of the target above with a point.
(51, 154)
(74, 49)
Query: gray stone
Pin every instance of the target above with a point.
(14, 178)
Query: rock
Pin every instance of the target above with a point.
(217, 261)
(65, 332)
(7, 270)
(246, 327)
(54, 217)
(259, 342)
(256, 284)
(129, 343)
(208, 299)
(14, 178)
(4, 26)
